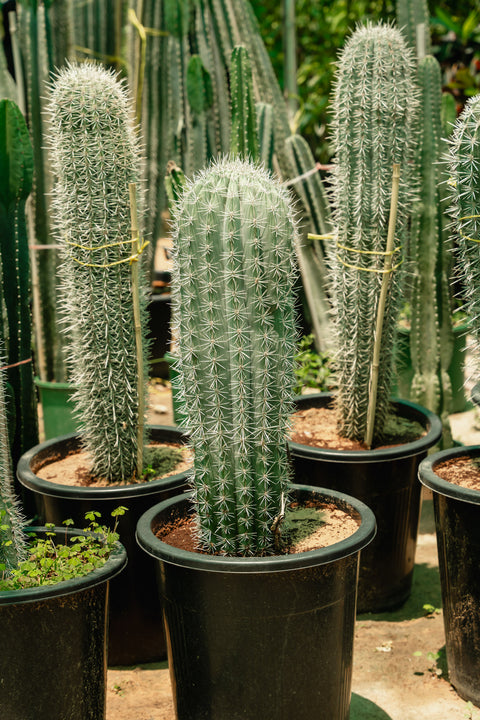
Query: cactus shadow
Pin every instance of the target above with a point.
(363, 709)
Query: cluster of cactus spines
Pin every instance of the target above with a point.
(42, 47)
(95, 154)
(244, 135)
(431, 336)
(464, 161)
(16, 177)
(12, 538)
(413, 19)
(374, 106)
(233, 292)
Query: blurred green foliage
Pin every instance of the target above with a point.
(321, 31)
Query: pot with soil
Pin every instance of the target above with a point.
(271, 634)
(136, 631)
(384, 478)
(53, 662)
(453, 476)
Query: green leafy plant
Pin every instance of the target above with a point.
(313, 368)
(233, 293)
(96, 158)
(159, 461)
(54, 558)
(374, 112)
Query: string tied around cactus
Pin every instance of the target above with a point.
(379, 253)
(16, 364)
(464, 236)
(131, 259)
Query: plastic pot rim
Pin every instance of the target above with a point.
(431, 422)
(115, 563)
(277, 563)
(429, 478)
(31, 481)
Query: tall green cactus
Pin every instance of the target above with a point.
(464, 158)
(374, 103)
(96, 155)
(244, 135)
(45, 35)
(16, 173)
(12, 539)
(234, 307)
(413, 19)
(431, 336)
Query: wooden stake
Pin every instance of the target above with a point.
(387, 272)
(136, 247)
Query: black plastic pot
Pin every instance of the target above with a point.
(53, 658)
(159, 315)
(457, 520)
(386, 481)
(267, 638)
(136, 630)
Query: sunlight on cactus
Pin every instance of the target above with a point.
(96, 155)
(233, 292)
(375, 100)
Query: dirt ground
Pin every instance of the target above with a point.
(399, 670)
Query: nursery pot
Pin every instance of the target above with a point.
(457, 520)
(136, 631)
(57, 408)
(53, 658)
(159, 314)
(386, 481)
(263, 638)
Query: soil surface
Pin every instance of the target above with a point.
(464, 471)
(399, 669)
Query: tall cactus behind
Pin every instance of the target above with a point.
(234, 307)
(431, 336)
(464, 159)
(413, 19)
(244, 135)
(100, 31)
(12, 539)
(16, 173)
(45, 35)
(96, 155)
(373, 105)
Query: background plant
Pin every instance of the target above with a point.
(96, 155)
(374, 103)
(16, 175)
(234, 308)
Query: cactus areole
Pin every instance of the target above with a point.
(233, 293)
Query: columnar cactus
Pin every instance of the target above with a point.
(374, 103)
(16, 176)
(431, 336)
(413, 19)
(244, 135)
(234, 307)
(96, 155)
(12, 539)
(465, 184)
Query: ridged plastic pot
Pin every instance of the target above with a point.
(53, 657)
(57, 408)
(267, 638)
(136, 630)
(457, 520)
(386, 481)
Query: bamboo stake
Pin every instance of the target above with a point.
(138, 327)
(387, 271)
